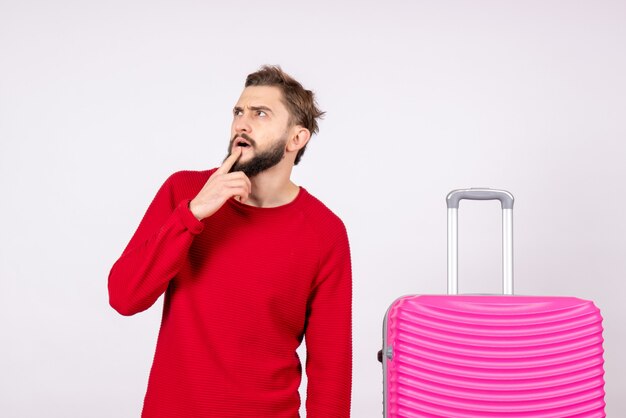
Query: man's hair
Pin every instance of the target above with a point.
(299, 102)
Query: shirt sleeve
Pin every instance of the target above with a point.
(154, 254)
(328, 334)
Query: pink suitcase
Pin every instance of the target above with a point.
(462, 356)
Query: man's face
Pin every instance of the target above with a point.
(261, 128)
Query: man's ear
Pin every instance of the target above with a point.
(298, 139)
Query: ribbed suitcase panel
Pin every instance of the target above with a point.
(495, 356)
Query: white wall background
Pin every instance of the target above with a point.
(101, 101)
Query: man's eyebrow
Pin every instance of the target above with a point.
(253, 108)
(263, 108)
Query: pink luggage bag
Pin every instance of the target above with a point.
(462, 356)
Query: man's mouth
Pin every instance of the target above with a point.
(242, 142)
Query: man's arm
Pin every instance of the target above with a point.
(160, 245)
(329, 335)
(154, 254)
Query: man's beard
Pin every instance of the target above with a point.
(260, 161)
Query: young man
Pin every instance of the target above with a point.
(250, 263)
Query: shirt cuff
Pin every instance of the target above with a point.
(191, 223)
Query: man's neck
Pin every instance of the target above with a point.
(272, 188)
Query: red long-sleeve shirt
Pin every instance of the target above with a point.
(242, 288)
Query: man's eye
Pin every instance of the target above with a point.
(237, 113)
(261, 113)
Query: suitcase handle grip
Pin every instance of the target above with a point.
(506, 200)
(455, 196)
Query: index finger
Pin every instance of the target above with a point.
(230, 161)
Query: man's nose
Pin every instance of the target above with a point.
(242, 124)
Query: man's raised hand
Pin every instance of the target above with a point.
(220, 187)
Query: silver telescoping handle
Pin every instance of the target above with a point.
(506, 200)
